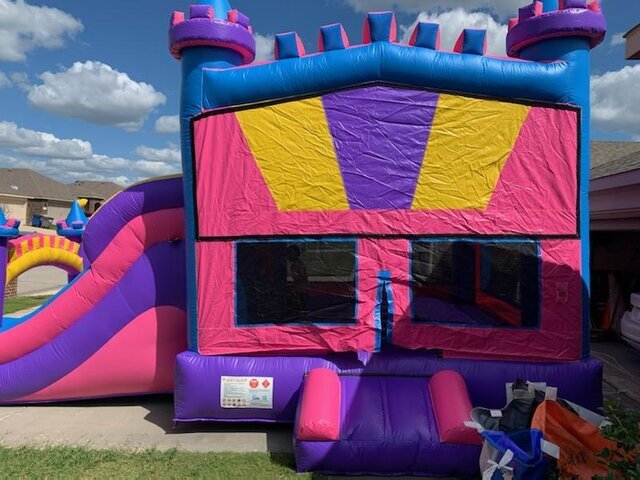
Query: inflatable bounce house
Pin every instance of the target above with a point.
(367, 242)
(64, 251)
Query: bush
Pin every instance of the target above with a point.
(625, 431)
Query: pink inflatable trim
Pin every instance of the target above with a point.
(319, 418)
(140, 358)
(451, 408)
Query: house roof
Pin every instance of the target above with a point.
(23, 182)
(632, 47)
(92, 189)
(611, 158)
(607, 158)
(632, 31)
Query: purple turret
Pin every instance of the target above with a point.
(573, 18)
(205, 28)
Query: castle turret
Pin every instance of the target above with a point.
(566, 30)
(564, 20)
(214, 36)
(73, 226)
(212, 24)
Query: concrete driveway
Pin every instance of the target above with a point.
(139, 423)
(41, 281)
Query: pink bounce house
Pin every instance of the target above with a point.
(367, 242)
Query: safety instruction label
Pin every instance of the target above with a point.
(246, 392)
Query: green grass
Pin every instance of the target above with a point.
(67, 462)
(16, 304)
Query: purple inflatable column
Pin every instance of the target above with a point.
(8, 230)
(4, 249)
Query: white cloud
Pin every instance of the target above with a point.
(453, 22)
(68, 160)
(24, 27)
(168, 124)
(116, 166)
(502, 8)
(21, 79)
(616, 100)
(95, 92)
(41, 144)
(154, 169)
(171, 154)
(265, 46)
(617, 39)
(4, 80)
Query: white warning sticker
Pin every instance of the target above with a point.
(246, 392)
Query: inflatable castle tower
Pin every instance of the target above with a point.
(381, 235)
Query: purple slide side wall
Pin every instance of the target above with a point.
(135, 201)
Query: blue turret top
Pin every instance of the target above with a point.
(75, 223)
(220, 7)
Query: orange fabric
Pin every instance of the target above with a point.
(579, 441)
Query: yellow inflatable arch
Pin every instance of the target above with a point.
(38, 250)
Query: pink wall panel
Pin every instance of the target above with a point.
(218, 335)
(558, 338)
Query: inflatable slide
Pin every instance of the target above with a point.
(117, 328)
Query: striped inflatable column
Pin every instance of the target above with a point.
(72, 276)
(4, 251)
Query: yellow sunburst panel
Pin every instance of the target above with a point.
(469, 144)
(293, 147)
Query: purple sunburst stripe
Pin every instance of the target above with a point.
(380, 135)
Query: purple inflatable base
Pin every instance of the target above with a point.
(197, 382)
(377, 437)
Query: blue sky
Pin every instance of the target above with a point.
(84, 83)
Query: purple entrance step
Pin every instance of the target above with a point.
(385, 425)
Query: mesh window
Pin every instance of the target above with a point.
(503, 269)
(476, 283)
(296, 282)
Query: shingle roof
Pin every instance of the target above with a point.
(92, 189)
(24, 182)
(611, 158)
